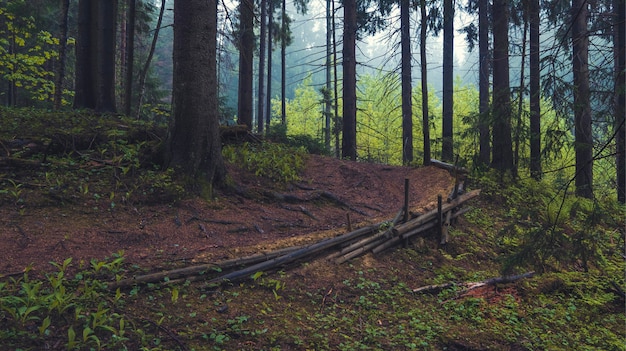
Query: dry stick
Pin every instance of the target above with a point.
(473, 285)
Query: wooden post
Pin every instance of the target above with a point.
(349, 222)
(406, 200)
(439, 214)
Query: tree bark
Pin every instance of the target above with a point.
(407, 96)
(246, 54)
(268, 94)
(193, 145)
(620, 92)
(484, 155)
(130, 56)
(84, 96)
(447, 146)
(502, 143)
(535, 93)
(105, 57)
(582, 105)
(348, 147)
(260, 112)
(283, 63)
(424, 75)
(60, 74)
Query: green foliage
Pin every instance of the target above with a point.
(73, 311)
(277, 162)
(26, 53)
(278, 134)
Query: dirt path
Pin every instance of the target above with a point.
(257, 216)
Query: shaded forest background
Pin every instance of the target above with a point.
(43, 55)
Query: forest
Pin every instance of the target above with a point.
(227, 174)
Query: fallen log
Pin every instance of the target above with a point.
(199, 269)
(366, 244)
(448, 166)
(473, 285)
(262, 261)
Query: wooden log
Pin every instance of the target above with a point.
(290, 257)
(366, 244)
(199, 269)
(448, 167)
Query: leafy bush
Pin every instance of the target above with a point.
(277, 162)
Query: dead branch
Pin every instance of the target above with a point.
(467, 286)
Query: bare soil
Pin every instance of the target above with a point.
(255, 215)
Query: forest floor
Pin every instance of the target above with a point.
(82, 187)
(256, 215)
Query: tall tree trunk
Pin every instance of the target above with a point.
(484, 154)
(327, 94)
(268, 96)
(502, 144)
(447, 146)
(535, 108)
(337, 120)
(144, 71)
(424, 75)
(84, 96)
(260, 112)
(283, 61)
(246, 54)
(348, 147)
(582, 106)
(130, 56)
(60, 73)
(193, 145)
(407, 103)
(105, 97)
(620, 92)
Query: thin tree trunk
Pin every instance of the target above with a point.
(260, 111)
(535, 108)
(407, 101)
(130, 56)
(327, 94)
(60, 74)
(520, 102)
(246, 54)
(338, 120)
(348, 147)
(620, 92)
(268, 96)
(582, 107)
(283, 68)
(484, 154)
(424, 74)
(447, 146)
(502, 143)
(146, 65)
